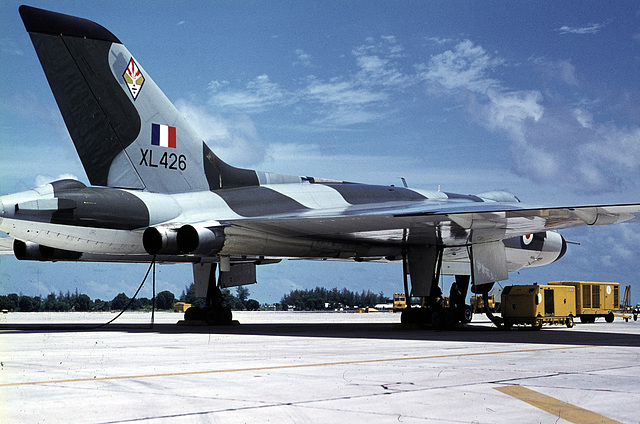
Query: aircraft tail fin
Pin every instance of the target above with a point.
(125, 130)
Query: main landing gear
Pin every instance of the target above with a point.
(441, 312)
(214, 313)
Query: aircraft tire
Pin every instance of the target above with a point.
(436, 320)
(406, 317)
(467, 314)
(193, 314)
(226, 316)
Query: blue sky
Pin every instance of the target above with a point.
(541, 99)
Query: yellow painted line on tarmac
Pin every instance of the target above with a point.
(292, 366)
(556, 407)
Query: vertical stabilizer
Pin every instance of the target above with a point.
(125, 130)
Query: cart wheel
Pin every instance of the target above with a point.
(609, 318)
(537, 325)
(569, 322)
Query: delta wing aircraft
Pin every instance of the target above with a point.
(159, 193)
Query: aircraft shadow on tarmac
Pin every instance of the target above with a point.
(385, 331)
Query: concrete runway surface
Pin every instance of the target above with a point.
(288, 367)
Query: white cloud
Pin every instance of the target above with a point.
(302, 58)
(589, 29)
(259, 94)
(510, 111)
(439, 41)
(235, 140)
(616, 147)
(341, 93)
(465, 67)
(562, 70)
(584, 117)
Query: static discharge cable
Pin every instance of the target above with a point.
(152, 265)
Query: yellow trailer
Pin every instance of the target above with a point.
(536, 305)
(594, 299)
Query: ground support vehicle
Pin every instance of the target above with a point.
(536, 305)
(399, 302)
(594, 299)
(477, 304)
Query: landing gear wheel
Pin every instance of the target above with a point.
(610, 317)
(226, 316)
(436, 320)
(407, 317)
(569, 322)
(193, 314)
(467, 314)
(213, 316)
(449, 322)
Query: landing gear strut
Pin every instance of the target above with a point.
(439, 312)
(213, 313)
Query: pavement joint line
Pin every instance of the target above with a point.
(292, 366)
(556, 407)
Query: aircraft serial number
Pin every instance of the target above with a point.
(167, 161)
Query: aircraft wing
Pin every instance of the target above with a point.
(446, 224)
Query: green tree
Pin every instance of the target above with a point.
(83, 303)
(28, 304)
(120, 301)
(9, 302)
(242, 293)
(252, 305)
(231, 301)
(189, 296)
(101, 305)
(165, 300)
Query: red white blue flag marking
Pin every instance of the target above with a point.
(163, 135)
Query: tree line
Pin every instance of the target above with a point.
(317, 299)
(64, 302)
(329, 299)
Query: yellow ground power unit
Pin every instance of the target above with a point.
(536, 305)
(594, 299)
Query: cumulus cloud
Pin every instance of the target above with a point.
(259, 94)
(234, 140)
(551, 141)
(465, 67)
(342, 101)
